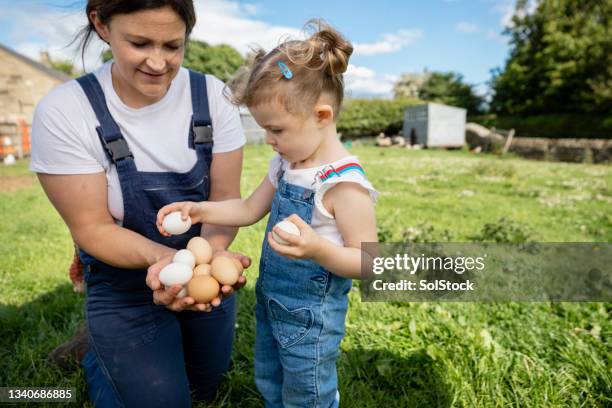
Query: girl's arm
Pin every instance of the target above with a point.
(352, 208)
(225, 171)
(235, 213)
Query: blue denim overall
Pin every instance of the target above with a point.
(300, 313)
(142, 354)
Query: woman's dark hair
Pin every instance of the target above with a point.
(108, 8)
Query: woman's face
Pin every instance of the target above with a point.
(148, 48)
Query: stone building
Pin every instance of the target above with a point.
(23, 82)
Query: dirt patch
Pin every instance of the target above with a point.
(10, 184)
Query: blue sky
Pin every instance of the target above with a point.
(390, 37)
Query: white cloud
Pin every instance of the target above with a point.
(219, 21)
(507, 8)
(362, 81)
(251, 9)
(55, 28)
(466, 27)
(389, 42)
(227, 22)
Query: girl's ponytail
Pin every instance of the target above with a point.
(297, 72)
(334, 50)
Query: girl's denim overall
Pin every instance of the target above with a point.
(142, 354)
(300, 318)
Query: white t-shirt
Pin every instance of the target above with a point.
(65, 141)
(313, 178)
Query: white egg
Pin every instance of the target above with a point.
(186, 257)
(176, 274)
(175, 225)
(288, 227)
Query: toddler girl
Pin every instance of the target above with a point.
(294, 92)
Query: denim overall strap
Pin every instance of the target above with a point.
(201, 125)
(113, 142)
(110, 135)
(201, 132)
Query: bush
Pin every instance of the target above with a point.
(504, 230)
(369, 117)
(555, 126)
(422, 233)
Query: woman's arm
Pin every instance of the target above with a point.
(352, 208)
(81, 200)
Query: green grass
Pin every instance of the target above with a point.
(394, 354)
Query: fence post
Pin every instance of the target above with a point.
(508, 141)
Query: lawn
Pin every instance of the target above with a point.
(394, 354)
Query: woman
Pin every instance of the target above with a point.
(110, 149)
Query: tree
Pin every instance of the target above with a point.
(221, 60)
(448, 88)
(65, 66)
(409, 85)
(560, 59)
(107, 55)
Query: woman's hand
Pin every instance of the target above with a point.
(167, 296)
(227, 290)
(305, 246)
(188, 209)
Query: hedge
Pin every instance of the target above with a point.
(369, 117)
(555, 126)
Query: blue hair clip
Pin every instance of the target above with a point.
(285, 70)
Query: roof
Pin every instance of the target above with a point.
(37, 65)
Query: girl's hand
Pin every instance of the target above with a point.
(187, 209)
(305, 246)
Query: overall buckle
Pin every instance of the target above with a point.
(117, 149)
(202, 133)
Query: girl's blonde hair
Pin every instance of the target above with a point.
(317, 65)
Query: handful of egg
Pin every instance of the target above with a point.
(201, 278)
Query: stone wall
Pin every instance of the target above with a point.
(566, 150)
(22, 85)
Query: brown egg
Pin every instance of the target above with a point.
(224, 270)
(201, 249)
(203, 288)
(201, 270)
(239, 266)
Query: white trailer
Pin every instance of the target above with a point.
(434, 125)
(253, 132)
